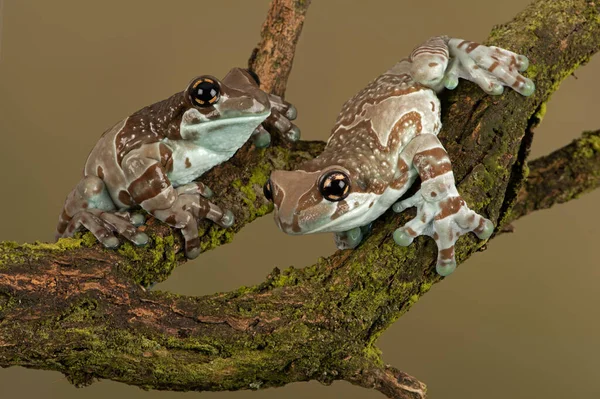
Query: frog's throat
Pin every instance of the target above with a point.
(223, 134)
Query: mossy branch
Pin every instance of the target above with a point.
(561, 176)
(77, 308)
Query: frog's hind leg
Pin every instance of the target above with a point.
(89, 205)
(92, 223)
(491, 68)
(441, 61)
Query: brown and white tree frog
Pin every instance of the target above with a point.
(386, 136)
(152, 158)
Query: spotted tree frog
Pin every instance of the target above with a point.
(386, 136)
(152, 158)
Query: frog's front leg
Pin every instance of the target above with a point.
(180, 207)
(441, 212)
(184, 214)
(282, 113)
(195, 188)
(440, 61)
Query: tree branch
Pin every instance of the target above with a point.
(273, 57)
(76, 308)
(392, 383)
(561, 176)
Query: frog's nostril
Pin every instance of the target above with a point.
(267, 190)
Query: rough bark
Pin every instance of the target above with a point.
(77, 308)
(561, 176)
(273, 57)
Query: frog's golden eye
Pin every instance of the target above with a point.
(334, 186)
(205, 91)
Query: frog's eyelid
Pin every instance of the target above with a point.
(254, 75)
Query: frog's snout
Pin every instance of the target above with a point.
(293, 194)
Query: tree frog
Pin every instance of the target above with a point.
(386, 136)
(152, 158)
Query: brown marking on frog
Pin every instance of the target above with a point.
(125, 198)
(149, 184)
(432, 163)
(449, 206)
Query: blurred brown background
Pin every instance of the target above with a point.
(519, 320)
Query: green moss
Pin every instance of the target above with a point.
(82, 311)
(258, 177)
(88, 239)
(192, 344)
(541, 112)
(151, 263)
(588, 146)
(14, 253)
(61, 245)
(7, 301)
(426, 286)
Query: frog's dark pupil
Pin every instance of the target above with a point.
(334, 186)
(205, 93)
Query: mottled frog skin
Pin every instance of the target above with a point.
(386, 136)
(151, 159)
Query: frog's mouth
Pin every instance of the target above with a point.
(339, 216)
(222, 134)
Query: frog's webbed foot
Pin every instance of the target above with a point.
(279, 122)
(491, 68)
(352, 238)
(105, 224)
(90, 206)
(184, 214)
(444, 220)
(195, 187)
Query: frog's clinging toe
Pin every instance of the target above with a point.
(291, 112)
(402, 238)
(450, 82)
(523, 63)
(137, 219)
(293, 134)
(141, 239)
(496, 90)
(445, 268)
(486, 230)
(193, 253)
(227, 219)
(261, 139)
(349, 239)
(528, 88)
(354, 236)
(111, 242)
